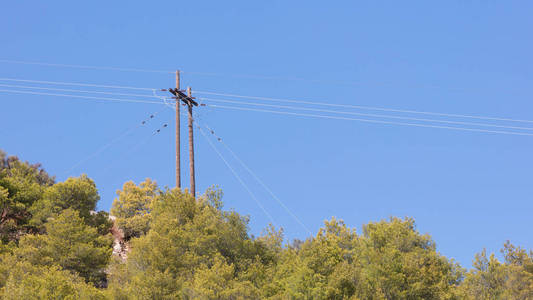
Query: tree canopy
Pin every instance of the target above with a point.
(55, 246)
(133, 206)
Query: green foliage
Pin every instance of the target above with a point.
(21, 184)
(389, 261)
(402, 264)
(54, 246)
(29, 197)
(35, 171)
(491, 279)
(133, 206)
(75, 193)
(197, 250)
(70, 244)
(100, 220)
(189, 243)
(216, 281)
(24, 280)
(27, 281)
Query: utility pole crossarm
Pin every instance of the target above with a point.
(179, 94)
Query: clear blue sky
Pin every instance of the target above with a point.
(468, 190)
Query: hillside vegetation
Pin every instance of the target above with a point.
(55, 246)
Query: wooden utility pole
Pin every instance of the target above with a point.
(191, 143)
(178, 159)
(187, 99)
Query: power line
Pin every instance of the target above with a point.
(233, 170)
(82, 66)
(77, 84)
(131, 150)
(237, 176)
(260, 181)
(107, 145)
(368, 115)
(161, 71)
(147, 70)
(102, 149)
(165, 125)
(334, 82)
(78, 91)
(83, 97)
(370, 121)
(248, 76)
(283, 100)
(365, 107)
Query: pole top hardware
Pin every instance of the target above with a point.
(183, 96)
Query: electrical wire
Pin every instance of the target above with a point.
(263, 77)
(78, 91)
(83, 97)
(102, 149)
(334, 82)
(238, 177)
(82, 66)
(247, 76)
(113, 141)
(269, 216)
(154, 71)
(76, 84)
(249, 171)
(127, 153)
(368, 115)
(369, 121)
(148, 70)
(131, 150)
(365, 107)
(259, 181)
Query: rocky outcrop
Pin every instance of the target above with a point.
(120, 246)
